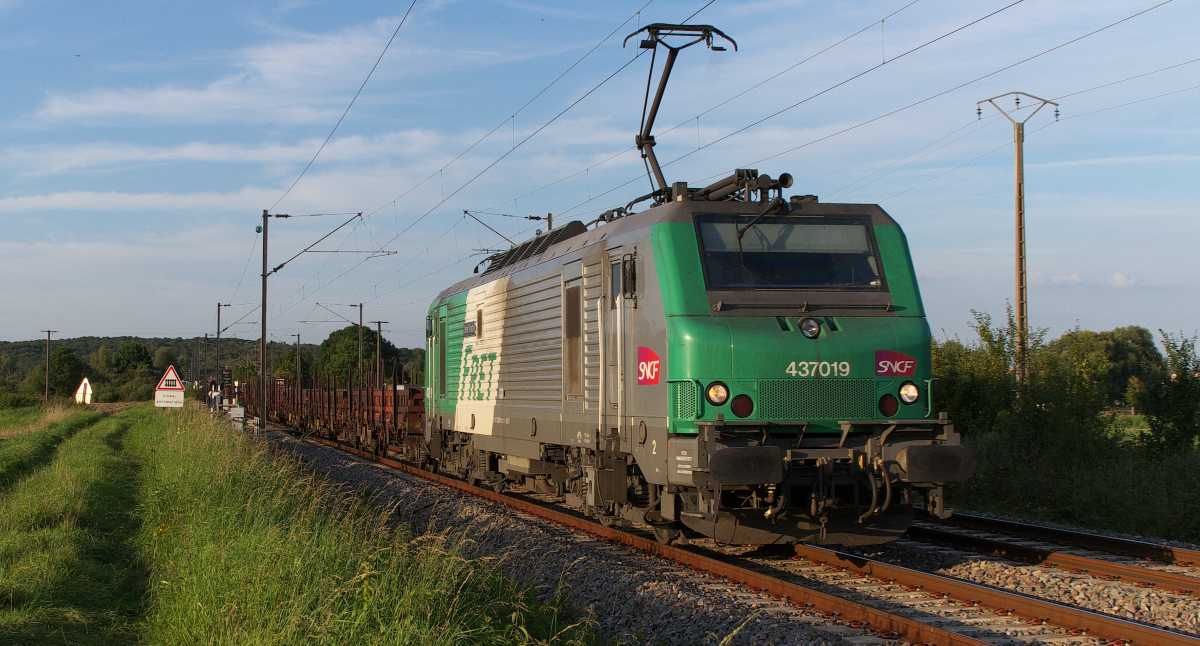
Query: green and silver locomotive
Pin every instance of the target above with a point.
(753, 368)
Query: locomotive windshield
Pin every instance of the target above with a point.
(788, 252)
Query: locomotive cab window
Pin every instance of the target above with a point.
(789, 252)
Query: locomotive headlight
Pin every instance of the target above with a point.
(811, 328)
(909, 392)
(717, 393)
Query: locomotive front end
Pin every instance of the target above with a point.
(800, 385)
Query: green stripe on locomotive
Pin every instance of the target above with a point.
(755, 356)
(444, 352)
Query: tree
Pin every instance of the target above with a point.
(338, 355)
(285, 363)
(102, 360)
(133, 356)
(67, 370)
(1133, 355)
(1170, 396)
(164, 357)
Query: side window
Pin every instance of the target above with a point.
(573, 341)
(479, 323)
(616, 286)
(441, 341)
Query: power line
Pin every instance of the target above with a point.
(515, 145)
(514, 114)
(839, 192)
(697, 117)
(888, 114)
(347, 111)
(1008, 143)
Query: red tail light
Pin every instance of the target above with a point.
(888, 405)
(742, 406)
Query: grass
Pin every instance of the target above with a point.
(29, 443)
(68, 569)
(166, 527)
(13, 421)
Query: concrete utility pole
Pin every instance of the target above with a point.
(48, 333)
(262, 346)
(219, 373)
(1022, 292)
(378, 352)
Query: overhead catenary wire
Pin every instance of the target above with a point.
(701, 114)
(841, 192)
(1032, 132)
(347, 111)
(502, 157)
(885, 115)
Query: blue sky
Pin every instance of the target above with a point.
(141, 142)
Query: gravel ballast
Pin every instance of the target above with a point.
(631, 597)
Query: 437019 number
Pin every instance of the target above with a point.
(819, 369)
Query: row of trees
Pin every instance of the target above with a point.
(128, 370)
(1063, 445)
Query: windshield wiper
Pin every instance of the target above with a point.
(771, 206)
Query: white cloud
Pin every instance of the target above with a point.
(1069, 279)
(58, 158)
(246, 198)
(1121, 281)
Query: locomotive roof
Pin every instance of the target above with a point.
(575, 235)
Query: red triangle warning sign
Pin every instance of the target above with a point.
(170, 381)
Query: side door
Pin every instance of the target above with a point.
(612, 311)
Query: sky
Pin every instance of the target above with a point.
(141, 141)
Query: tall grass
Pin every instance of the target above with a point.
(68, 570)
(14, 420)
(246, 546)
(28, 446)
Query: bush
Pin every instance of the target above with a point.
(16, 400)
(1170, 396)
(1048, 447)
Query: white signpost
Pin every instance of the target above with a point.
(84, 394)
(169, 393)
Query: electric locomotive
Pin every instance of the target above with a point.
(751, 367)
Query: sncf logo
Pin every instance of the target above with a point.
(894, 364)
(649, 367)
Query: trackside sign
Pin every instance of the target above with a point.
(169, 393)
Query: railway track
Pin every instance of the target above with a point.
(871, 602)
(1184, 580)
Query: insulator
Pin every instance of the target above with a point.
(1056, 114)
(1018, 101)
(978, 112)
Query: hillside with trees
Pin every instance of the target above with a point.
(128, 368)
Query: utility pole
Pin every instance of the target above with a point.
(262, 346)
(219, 372)
(297, 359)
(378, 352)
(360, 341)
(48, 333)
(1022, 291)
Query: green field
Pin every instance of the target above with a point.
(166, 527)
